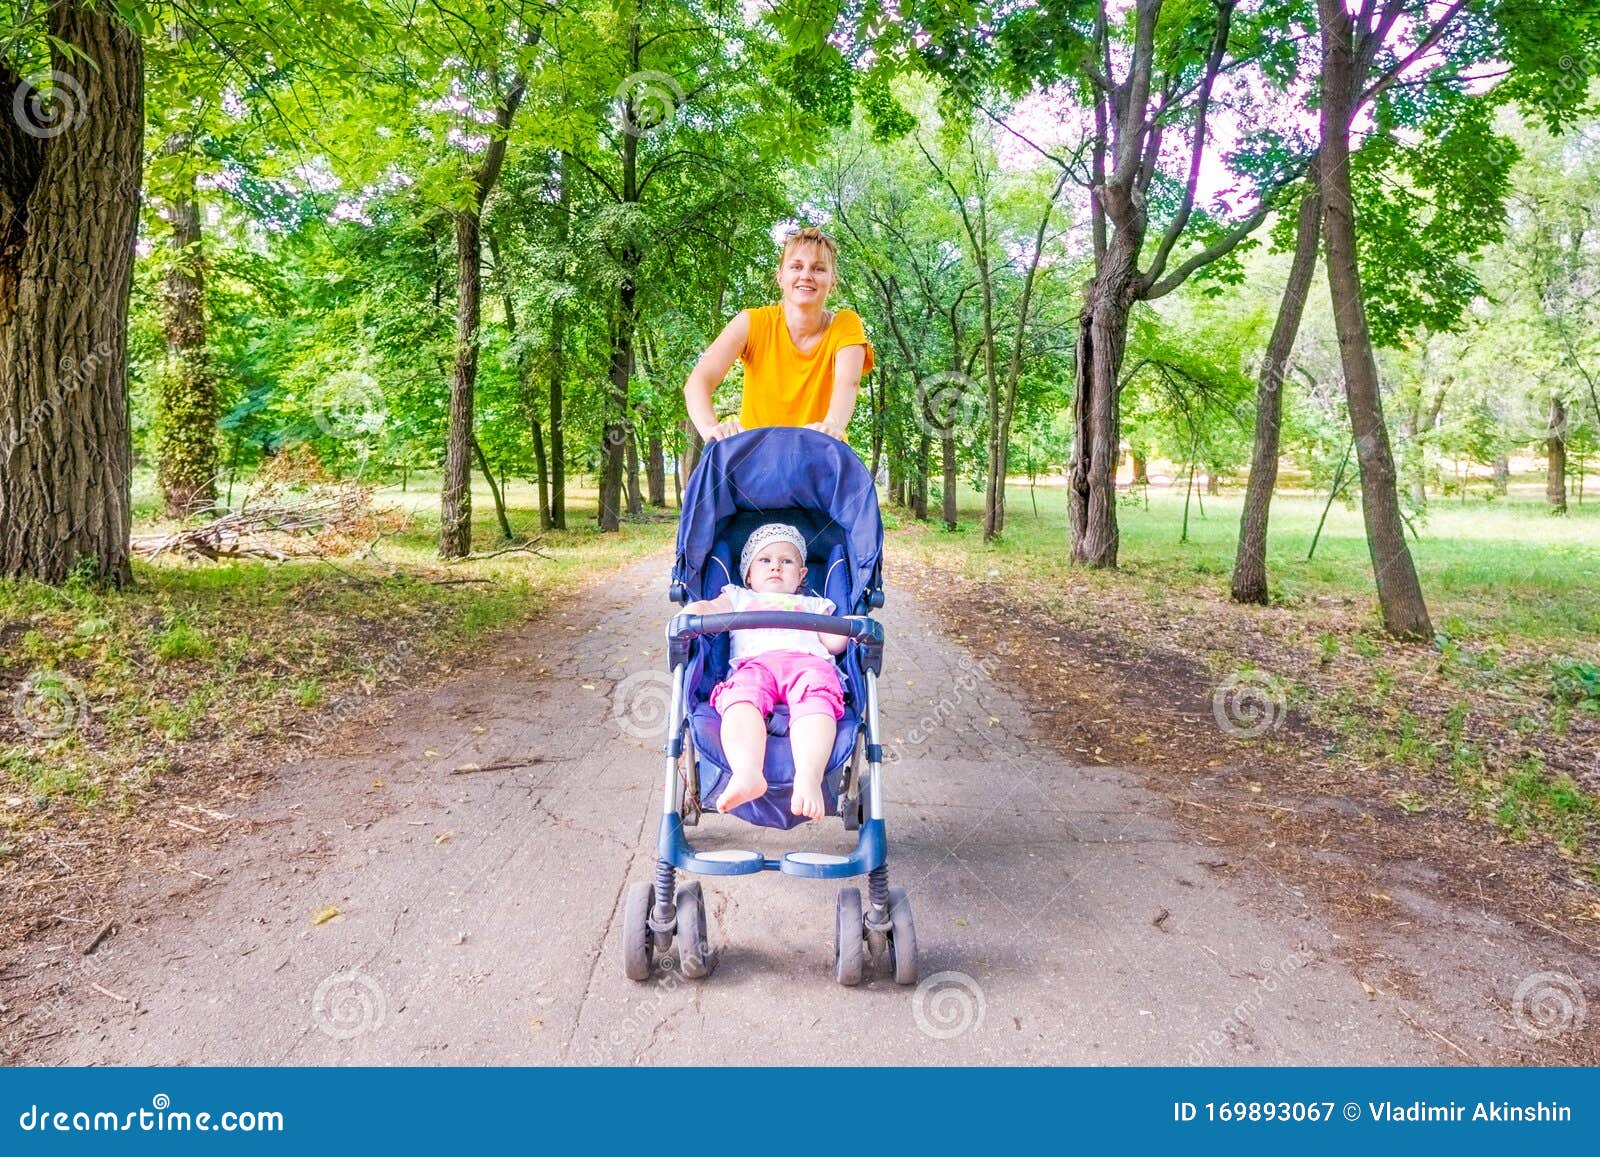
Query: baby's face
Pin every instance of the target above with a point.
(777, 568)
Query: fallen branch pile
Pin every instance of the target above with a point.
(272, 526)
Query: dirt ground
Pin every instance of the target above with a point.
(1099, 876)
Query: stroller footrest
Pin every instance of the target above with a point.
(871, 851)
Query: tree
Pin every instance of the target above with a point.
(70, 157)
(1250, 559)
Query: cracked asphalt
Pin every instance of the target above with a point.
(476, 838)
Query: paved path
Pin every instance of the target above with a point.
(479, 912)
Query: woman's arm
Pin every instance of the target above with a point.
(847, 366)
(707, 375)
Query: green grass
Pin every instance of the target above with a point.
(1474, 720)
(200, 659)
(1496, 571)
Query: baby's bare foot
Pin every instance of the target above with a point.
(742, 788)
(808, 800)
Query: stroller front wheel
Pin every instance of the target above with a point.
(902, 938)
(694, 949)
(849, 956)
(638, 954)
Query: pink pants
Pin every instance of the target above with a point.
(809, 684)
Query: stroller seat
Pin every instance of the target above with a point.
(705, 725)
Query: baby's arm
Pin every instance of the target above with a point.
(717, 606)
(835, 643)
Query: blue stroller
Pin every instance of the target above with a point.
(818, 485)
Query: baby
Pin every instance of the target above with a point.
(774, 666)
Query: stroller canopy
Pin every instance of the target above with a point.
(781, 474)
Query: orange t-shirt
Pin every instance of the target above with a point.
(784, 387)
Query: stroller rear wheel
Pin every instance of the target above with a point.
(638, 955)
(902, 938)
(694, 950)
(848, 949)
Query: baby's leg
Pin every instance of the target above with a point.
(744, 742)
(811, 742)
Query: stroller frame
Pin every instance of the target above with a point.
(661, 914)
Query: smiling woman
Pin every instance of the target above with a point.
(803, 362)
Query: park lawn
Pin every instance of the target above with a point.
(1497, 721)
(105, 693)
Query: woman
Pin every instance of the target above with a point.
(803, 363)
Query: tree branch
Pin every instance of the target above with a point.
(1180, 220)
(1432, 38)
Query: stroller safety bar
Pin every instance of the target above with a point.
(685, 628)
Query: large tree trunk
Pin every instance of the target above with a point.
(69, 196)
(693, 447)
(919, 490)
(558, 449)
(187, 406)
(455, 499)
(635, 496)
(1405, 615)
(1502, 475)
(1555, 444)
(541, 462)
(455, 505)
(947, 451)
(655, 471)
(618, 437)
(1250, 561)
(1102, 338)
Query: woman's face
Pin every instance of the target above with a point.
(806, 275)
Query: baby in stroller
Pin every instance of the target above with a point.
(762, 507)
(772, 666)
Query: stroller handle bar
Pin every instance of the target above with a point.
(684, 628)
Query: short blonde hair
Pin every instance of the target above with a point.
(810, 235)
